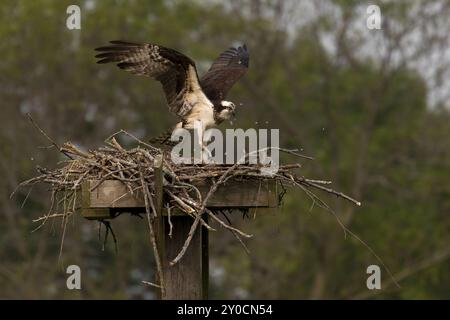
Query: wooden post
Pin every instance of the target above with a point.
(158, 223)
(188, 279)
(205, 260)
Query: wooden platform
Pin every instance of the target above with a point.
(188, 279)
(112, 197)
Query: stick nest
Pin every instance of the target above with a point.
(135, 169)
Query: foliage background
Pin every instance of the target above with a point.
(369, 105)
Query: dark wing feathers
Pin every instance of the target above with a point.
(166, 65)
(225, 71)
(173, 69)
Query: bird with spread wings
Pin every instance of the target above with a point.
(190, 98)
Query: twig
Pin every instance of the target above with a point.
(151, 284)
(234, 233)
(152, 233)
(199, 213)
(339, 194)
(46, 135)
(109, 229)
(170, 221)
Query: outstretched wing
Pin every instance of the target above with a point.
(225, 71)
(175, 71)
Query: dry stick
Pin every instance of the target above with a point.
(152, 233)
(223, 224)
(147, 192)
(246, 249)
(319, 181)
(134, 137)
(321, 203)
(26, 197)
(111, 158)
(234, 233)
(64, 222)
(185, 207)
(227, 226)
(46, 135)
(125, 194)
(110, 173)
(188, 209)
(307, 182)
(346, 230)
(169, 220)
(82, 176)
(117, 145)
(292, 152)
(104, 168)
(203, 206)
(130, 189)
(65, 219)
(109, 229)
(188, 185)
(63, 198)
(74, 205)
(168, 167)
(257, 197)
(202, 209)
(28, 182)
(63, 225)
(99, 229)
(151, 284)
(71, 148)
(56, 215)
(339, 194)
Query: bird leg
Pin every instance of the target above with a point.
(206, 138)
(203, 136)
(200, 132)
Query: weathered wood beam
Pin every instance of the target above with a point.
(113, 196)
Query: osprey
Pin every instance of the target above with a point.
(190, 98)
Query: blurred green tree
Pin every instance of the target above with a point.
(366, 120)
